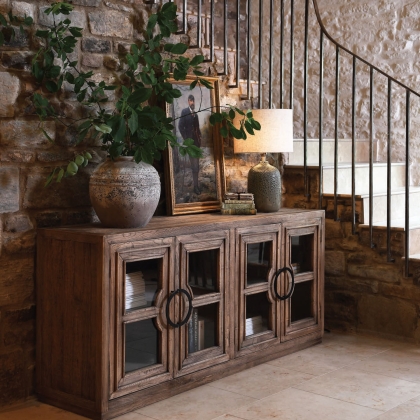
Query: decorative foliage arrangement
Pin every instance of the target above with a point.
(132, 126)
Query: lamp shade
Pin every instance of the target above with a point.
(275, 136)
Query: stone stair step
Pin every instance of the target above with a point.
(362, 176)
(398, 229)
(397, 204)
(344, 151)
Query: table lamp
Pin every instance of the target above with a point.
(275, 136)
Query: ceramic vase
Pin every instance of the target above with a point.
(123, 193)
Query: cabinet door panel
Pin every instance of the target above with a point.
(302, 310)
(258, 309)
(204, 340)
(143, 277)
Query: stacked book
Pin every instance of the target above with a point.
(135, 290)
(197, 332)
(254, 325)
(242, 203)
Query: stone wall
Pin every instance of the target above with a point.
(26, 157)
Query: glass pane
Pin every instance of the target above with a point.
(301, 301)
(141, 345)
(257, 314)
(258, 262)
(302, 253)
(141, 283)
(202, 327)
(202, 271)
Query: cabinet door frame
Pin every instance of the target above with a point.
(188, 363)
(122, 383)
(245, 236)
(292, 330)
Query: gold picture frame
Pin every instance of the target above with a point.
(195, 185)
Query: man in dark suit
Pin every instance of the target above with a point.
(189, 128)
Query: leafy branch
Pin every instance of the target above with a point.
(134, 126)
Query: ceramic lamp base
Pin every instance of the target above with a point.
(265, 183)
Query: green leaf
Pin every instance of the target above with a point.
(103, 128)
(117, 122)
(151, 23)
(79, 160)
(206, 83)
(42, 34)
(49, 179)
(193, 84)
(216, 118)
(70, 78)
(179, 48)
(224, 131)
(3, 20)
(72, 169)
(169, 10)
(249, 127)
(198, 59)
(232, 114)
(255, 124)
(198, 73)
(239, 111)
(139, 96)
(133, 122)
(47, 136)
(28, 21)
(60, 175)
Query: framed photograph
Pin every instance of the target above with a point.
(195, 185)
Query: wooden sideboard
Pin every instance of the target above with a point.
(129, 317)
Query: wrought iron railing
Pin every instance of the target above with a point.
(275, 21)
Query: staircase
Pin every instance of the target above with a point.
(294, 166)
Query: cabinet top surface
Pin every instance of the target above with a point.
(215, 220)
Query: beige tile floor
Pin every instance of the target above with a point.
(345, 377)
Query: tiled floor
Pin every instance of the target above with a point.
(345, 377)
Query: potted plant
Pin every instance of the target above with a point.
(133, 128)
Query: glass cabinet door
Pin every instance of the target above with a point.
(302, 313)
(203, 340)
(143, 277)
(258, 307)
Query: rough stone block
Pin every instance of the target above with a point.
(55, 156)
(112, 63)
(9, 189)
(9, 91)
(17, 38)
(335, 263)
(25, 134)
(15, 243)
(110, 23)
(17, 60)
(71, 192)
(77, 18)
(16, 279)
(17, 223)
(21, 9)
(12, 370)
(4, 6)
(91, 60)
(17, 156)
(89, 3)
(95, 45)
(48, 219)
(394, 317)
(381, 272)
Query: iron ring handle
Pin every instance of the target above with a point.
(171, 296)
(292, 287)
(190, 307)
